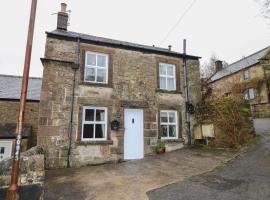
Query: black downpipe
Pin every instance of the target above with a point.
(186, 93)
(75, 67)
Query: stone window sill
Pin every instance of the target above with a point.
(96, 84)
(105, 142)
(180, 140)
(169, 91)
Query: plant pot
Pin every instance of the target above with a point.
(161, 150)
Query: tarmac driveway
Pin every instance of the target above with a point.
(132, 179)
(246, 178)
(262, 125)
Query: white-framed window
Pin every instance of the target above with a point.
(5, 149)
(167, 78)
(96, 68)
(94, 123)
(246, 74)
(168, 124)
(250, 94)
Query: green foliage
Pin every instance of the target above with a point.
(231, 117)
(160, 145)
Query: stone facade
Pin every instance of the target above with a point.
(260, 106)
(9, 110)
(132, 83)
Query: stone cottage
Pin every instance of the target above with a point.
(10, 91)
(251, 76)
(127, 97)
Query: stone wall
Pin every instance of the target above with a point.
(133, 83)
(32, 172)
(9, 111)
(224, 85)
(260, 105)
(261, 110)
(194, 91)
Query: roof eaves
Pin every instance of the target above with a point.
(131, 46)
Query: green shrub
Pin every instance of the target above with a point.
(231, 117)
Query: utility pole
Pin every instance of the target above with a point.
(13, 190)
(186, 92)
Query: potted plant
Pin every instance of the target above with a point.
(161, 148)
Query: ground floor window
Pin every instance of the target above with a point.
(250, 94)
(168, 124)
(5, 149)
(94, 123)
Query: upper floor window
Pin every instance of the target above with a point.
(250, 94)
(168, 124)
(94, 123)
(96, 68)
(167, 79)
(247, 74)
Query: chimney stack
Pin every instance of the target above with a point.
(62, 18)
(218, 65)
(170, 47)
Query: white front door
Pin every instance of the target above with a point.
(5, 149)
(133, 140)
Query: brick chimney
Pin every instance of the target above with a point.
(218, 65)
(62, 18)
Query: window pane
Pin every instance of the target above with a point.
(101, 75)
(172, 131)
(88, 130)
(170, 70)
(162, 69)
(246, 74)
(91, 59)
(89, 115)
(163, 131)
(90, 74)
(101, 61)
(251, 93)
(170, 84)
(172, 117)
(100, 115)
(246, 95)
(100, 131)
(162, 83)
(2, 150)
(163, 117)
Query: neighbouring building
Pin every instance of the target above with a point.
(127, 98)
(10, 91)
(250, 76)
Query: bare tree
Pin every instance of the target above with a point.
(265, 8)
(208, 67)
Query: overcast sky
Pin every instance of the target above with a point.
(229, 28)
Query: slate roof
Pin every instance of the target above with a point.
(114, 43)
(10, 87)
(240, 64)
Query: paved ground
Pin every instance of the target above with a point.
(246, 178)
(130, 180)
(262, 125)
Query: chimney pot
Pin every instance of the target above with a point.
(218, 65)
(63, 7)
(170, 47)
